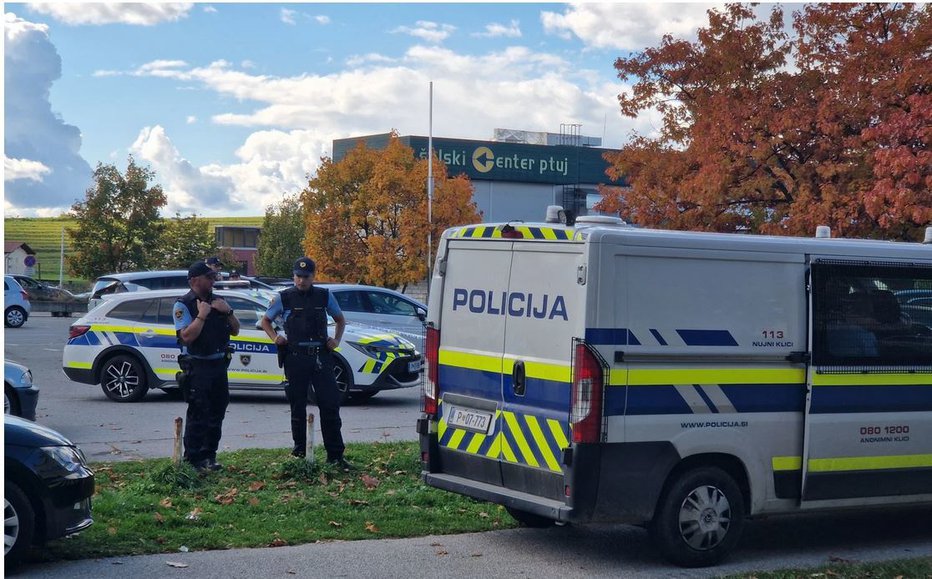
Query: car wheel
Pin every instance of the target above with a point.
(123, 379)
(19, 523)
(531, 520)
(15, 317)
(344, 378)
(700, 518)
(10, 401)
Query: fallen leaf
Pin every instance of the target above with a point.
(253, 501)
(183, 549)
(369, 481)
(228, 497)
(357, 502)
(398, 472)
(335, 524)
(436, 544)
(278, 542)
(159, 518)
(323, 479)
(483, 514)
(111, 530)
(441, 553)
(257, 486)
(370, 526)
(166, 502)
(390, 492)
(195, 514)
(176, 564)
(475, 554)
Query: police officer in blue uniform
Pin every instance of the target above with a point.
(204, 323)
(309, 358)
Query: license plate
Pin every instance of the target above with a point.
(469, 419)
(415, 366)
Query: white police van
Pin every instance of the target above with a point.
(682, 381)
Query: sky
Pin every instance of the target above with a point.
(232, 105)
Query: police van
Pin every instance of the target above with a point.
(677, 380)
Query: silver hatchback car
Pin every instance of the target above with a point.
(381, 308)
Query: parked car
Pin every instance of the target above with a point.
(16, 306)
(39, 291)
(381, 308)
(20, 395)
(128, 346)
(116, 283)
(47, 487)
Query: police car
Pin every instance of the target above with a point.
(128, 346)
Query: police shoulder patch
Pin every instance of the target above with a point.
(179, 313)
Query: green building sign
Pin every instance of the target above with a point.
(498, 161)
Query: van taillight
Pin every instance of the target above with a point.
(430, 385)
(75, 331)
(586, 411)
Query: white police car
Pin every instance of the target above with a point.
(127, 345)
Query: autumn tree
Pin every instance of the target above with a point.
(282, 239)
(118, 222)
(367, 214)
(184, 240)
(771, 131)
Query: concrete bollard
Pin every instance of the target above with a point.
(309, 451)
(176, 451)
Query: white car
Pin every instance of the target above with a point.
(16, 306)
(381, 308)
(128, 345)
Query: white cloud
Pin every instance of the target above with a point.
(33, 132)
(14, 169)
(287, 16)
(322, 19)
(372, 58)
(626, 26)
(191, 119)
(428, 31)
(96, 13)
(512, 30)
(209, 9)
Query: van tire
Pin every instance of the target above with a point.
(711, 507)
(526, 519)
(123, 378)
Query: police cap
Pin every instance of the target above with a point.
(198, 268)
(214, 261)
(304, 267)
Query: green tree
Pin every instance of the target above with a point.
(367, 214)
(184, 240)
(118, 222)
(282, 239)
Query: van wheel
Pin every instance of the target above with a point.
(19, 523)
(14, 317)
(123, 379)
(700, 518)
(531, 520)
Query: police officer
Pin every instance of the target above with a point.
(215, 264)
(309, 358)
(204, 324)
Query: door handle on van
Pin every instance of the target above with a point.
(518, 379)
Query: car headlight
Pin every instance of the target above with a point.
(69, 458)
(26, 380)
(374, 351)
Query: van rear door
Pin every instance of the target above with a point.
(469, 378)
(543, 312)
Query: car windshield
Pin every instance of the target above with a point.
(102, 283)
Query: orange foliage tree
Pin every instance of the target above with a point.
(367, 214)
(770, 131)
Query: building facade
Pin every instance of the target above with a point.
(513, 180)
(243, 242)
(19, 258)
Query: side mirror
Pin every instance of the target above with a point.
(422, 315)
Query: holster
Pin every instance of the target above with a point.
(282, 354)
(228, 355)
(184, 377)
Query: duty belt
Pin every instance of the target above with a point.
(304, 349)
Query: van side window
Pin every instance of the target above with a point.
(862, 316)
(145, 311)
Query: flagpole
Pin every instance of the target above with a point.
(430, 180)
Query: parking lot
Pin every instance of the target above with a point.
(107, 430)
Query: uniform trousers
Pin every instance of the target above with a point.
(207, 406)
(303, 371)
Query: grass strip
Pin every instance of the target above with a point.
(920, 568)
(266, 498)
